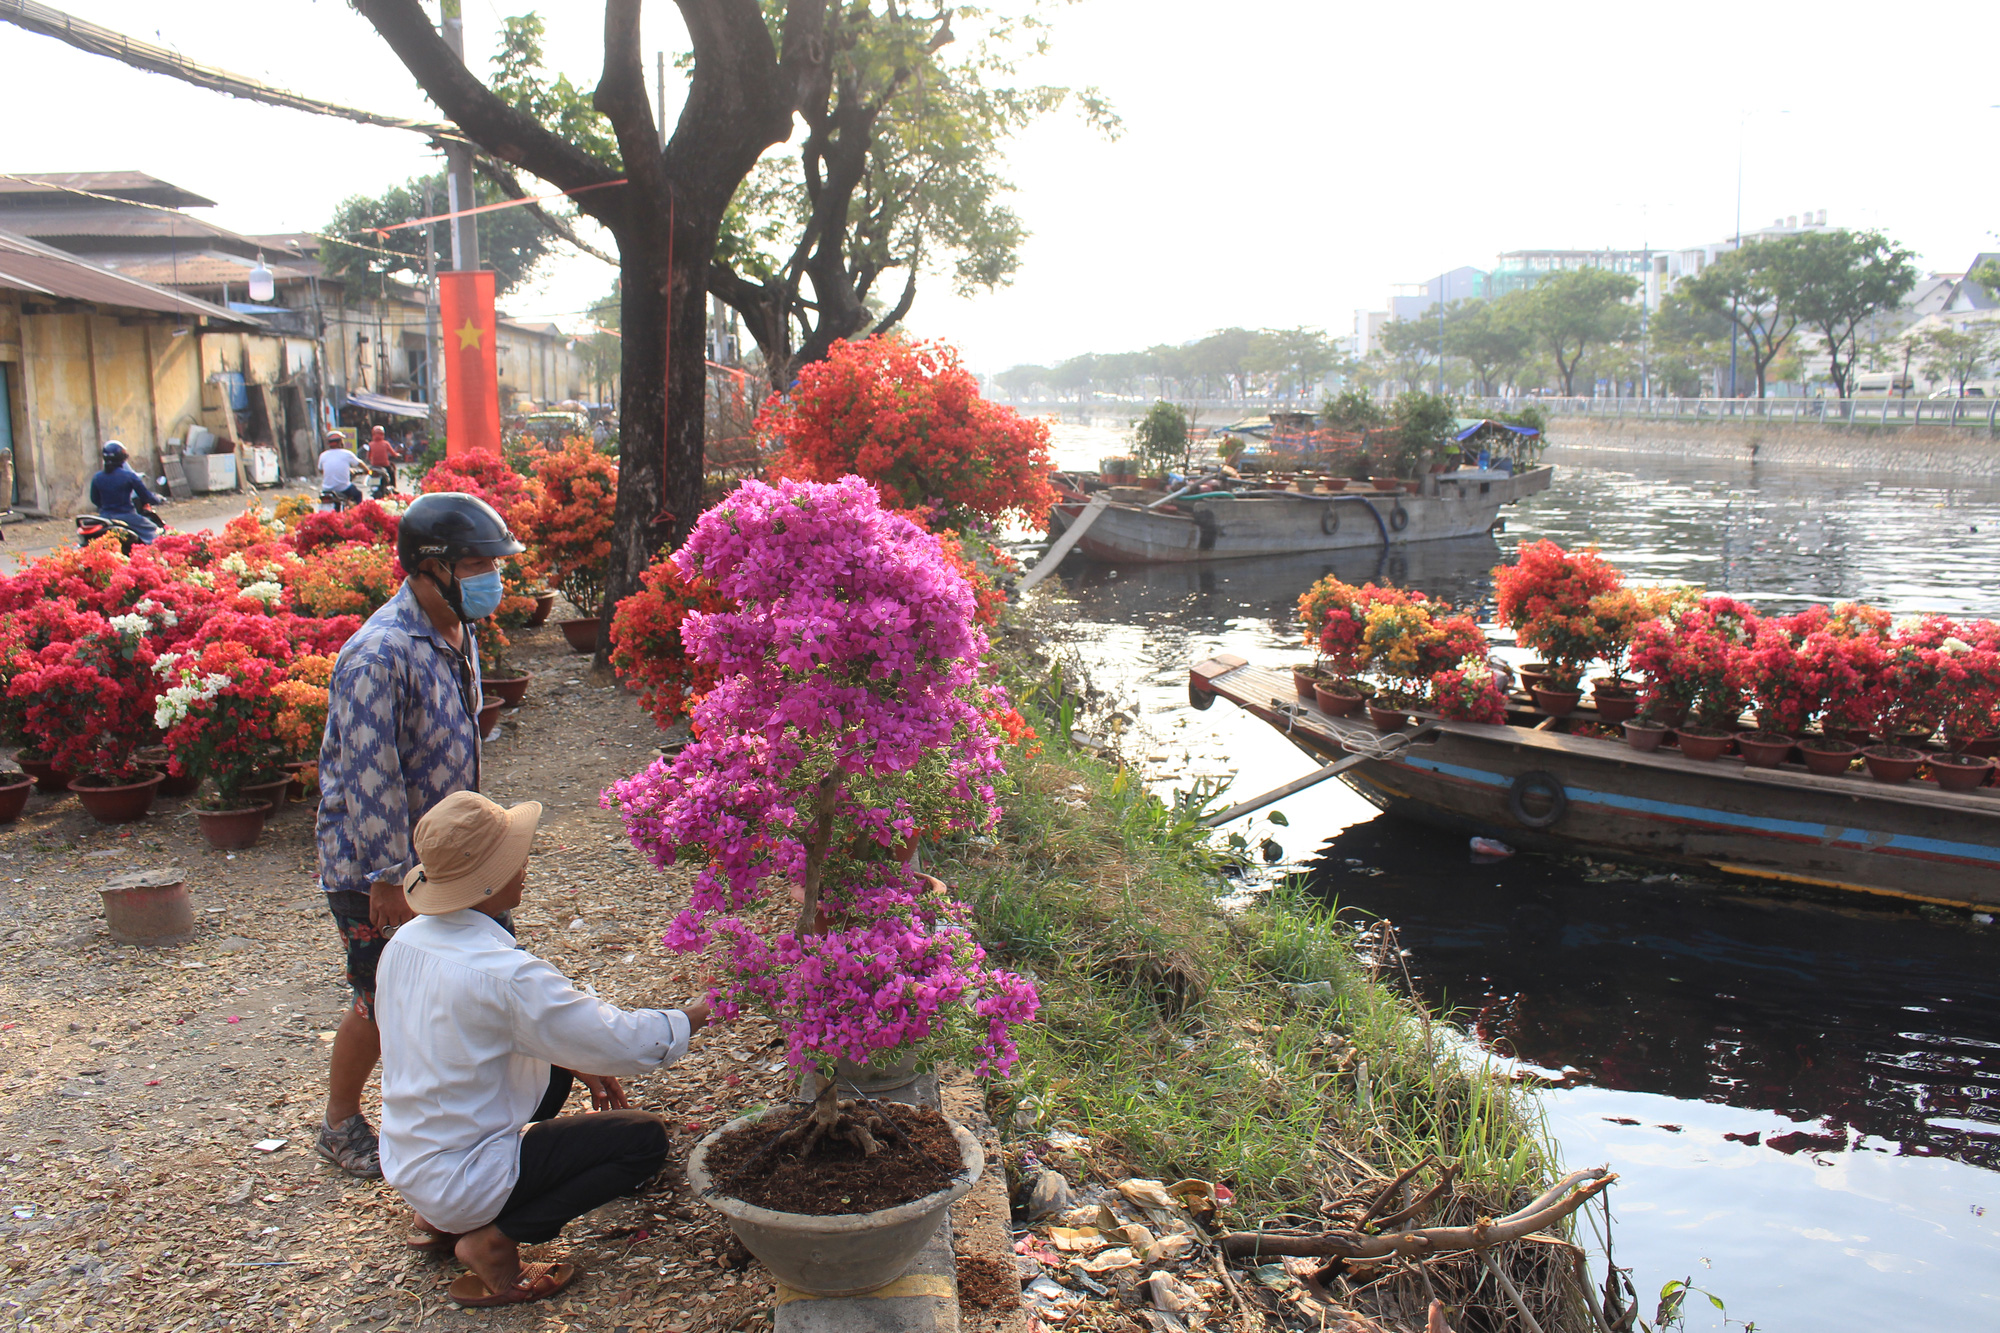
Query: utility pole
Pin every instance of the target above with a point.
(660, 97)
(1441, 280)
(1733, 327)
(459, 193)
(431, 313)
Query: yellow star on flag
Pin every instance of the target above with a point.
(469, 335)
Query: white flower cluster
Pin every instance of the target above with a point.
(177, 701)
(1956, 645)
(131, 624)
(234, 563)
(270, 594)
(200, 578)
(166, 617)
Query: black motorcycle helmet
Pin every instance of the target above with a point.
(114, 455)
(449, 526)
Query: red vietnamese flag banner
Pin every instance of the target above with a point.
(471, 369)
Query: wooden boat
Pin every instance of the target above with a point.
(1218, 526)
(1538, 788)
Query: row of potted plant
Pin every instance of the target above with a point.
(1834, 685)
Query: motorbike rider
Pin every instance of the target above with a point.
(117, 492)
(337, 466)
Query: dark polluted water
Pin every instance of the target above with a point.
(1802, 1096)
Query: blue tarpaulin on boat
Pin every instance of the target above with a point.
(1478, 426)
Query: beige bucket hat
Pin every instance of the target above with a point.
(468, 848)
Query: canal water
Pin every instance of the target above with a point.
(1802, 1097)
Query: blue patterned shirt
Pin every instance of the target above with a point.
(402, 733)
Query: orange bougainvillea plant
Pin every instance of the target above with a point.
(646, 640)
(908, 417)
(1546, 598)
(348, 580)
(569, 522)
(299, 724)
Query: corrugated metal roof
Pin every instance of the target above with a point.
(125, 184)
(204, 268)
(28, 265)
(90, 217)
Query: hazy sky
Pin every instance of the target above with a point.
(1283, 161)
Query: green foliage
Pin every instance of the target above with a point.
(561, 106)
(1170, 1028)
(511, 242)
(1299, 356)
(1489, 338)
(1352, 412)
(1161, 436)
(1687, 342)
(1954, 355)
(1422, 426)
(1838, 280)
(1410, 346)
(1568, 313)
(1756, 289)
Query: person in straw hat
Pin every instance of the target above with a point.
(477, 1037)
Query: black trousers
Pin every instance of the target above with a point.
(574, 1163)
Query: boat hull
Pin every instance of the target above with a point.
(1274, 523)
(1851, 833)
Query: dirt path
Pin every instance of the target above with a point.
(31, 538)
(136, 1084)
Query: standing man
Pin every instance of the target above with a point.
(383, 455)
(401, 735)
(336, 468)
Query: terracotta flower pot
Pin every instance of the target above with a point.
(1387, 719)
(1615, 708)
(1892, 763)
(1986, 746)
(1414, 486)
(1556, 703)
(14, 796)
(1333, 483)
(171, 787)
(1959, 772)
(49, 780)
(1645, 737)
(1303, 681)
(1827, 756)
(120, 803)
(1855, 736)
(1385, 483)
(511, 689)
(1532, 674)
(148, 907)
(489, 713)
(302, 771)
(1704, 743)
(1765, 749)
(270, 792)
(581, 634)
(1335, 702)
(545, 602)
(232, 830)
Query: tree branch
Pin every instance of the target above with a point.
(512, 136)
(621, 96)
(902, 308)
(510, 185)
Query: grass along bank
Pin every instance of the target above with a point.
(1257, 1048)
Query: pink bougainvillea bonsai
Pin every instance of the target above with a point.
(848, 718)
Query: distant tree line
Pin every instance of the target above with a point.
(1285, 362)
(1797, 307)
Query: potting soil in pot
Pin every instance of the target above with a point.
(836, 1178)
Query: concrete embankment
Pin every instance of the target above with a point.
(1951, 450)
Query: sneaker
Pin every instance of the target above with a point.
(352, 1146)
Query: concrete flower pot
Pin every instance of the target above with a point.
(843, 1254)
(875, 1078)
(148, 907)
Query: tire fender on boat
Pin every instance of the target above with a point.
(1545, 789)
(1329, 521)
(1204, 522)
(1200, 696)
(1399, 518)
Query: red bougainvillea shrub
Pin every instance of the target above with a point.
(909, 418)
(570, 519)
(1546, 597)
(646, 644)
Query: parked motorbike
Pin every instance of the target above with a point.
(89, 527)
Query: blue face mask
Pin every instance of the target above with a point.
(479, 596)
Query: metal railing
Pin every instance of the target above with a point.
(1979, 413)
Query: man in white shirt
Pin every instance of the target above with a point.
(473, 1029)
(337, 464)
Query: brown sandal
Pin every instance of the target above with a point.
(441, 1243)
(536, 1282)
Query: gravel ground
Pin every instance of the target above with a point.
(137, 1086)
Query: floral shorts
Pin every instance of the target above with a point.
(363, 941)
